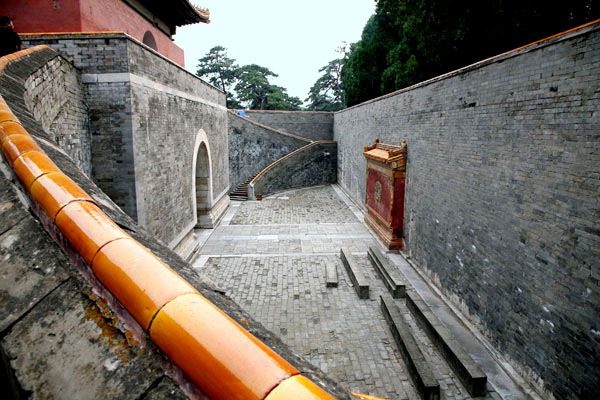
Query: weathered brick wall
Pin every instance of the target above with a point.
(56, 99)
(313, 125)
(253, 147)
(145, 115)
(502, 199)
(165, 129)
(84, 50)
(311, 166)
(146, 63)
(109, 101)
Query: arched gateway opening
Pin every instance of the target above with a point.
(149, 41)
(202, 181)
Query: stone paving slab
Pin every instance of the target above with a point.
(344, 336)
(289, 295)
(271, 258)
(319, 204)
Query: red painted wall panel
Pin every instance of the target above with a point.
(398, 208)
(32, 16)
(36, 16)
(382, 206)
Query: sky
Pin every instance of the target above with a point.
(294, 39)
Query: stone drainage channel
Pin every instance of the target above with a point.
(273, 256)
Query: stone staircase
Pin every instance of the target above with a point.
(241, 192)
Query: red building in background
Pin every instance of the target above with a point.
(152, 22)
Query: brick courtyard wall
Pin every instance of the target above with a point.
(146, 115)
(313, 165)
(253, 147)
(502, 199)
(55, 96)
(314, 125)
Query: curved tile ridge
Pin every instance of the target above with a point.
(7, 59)
(216, 353)
(271, 128)
(268, 167)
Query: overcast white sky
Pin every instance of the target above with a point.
(291, 38)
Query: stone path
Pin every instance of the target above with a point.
(271, 258)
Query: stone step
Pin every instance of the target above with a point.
(465, 368)
(388, 272)
(419, 369)
(361, 285)
(241, 192)
(332, 276)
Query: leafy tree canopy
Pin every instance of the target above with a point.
(327, 93)
(408, 41)
(220, 70)
(247, 86)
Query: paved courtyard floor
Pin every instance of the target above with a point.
(270, 256)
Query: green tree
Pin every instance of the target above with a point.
(253, 86)
(408, 41)
(257, 93)
(221, 71)
(278, 99)
(327, 94)
(362, 72)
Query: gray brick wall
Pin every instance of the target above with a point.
(145, 113)
(311, 166)
(56, 99)
(165, 129)
(313, 125)
(113, 168)
(149, 64)
(253, 147)
(502, 199)
(92, 54)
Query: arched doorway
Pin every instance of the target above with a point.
(202, 181)
(149, 41)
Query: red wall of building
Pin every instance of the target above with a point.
(43, 15)
(37, 16)
(115, 15)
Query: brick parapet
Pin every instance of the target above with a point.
(55, 96)
(120, 53)
(313, 125)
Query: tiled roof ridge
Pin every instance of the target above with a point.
(185, 325)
